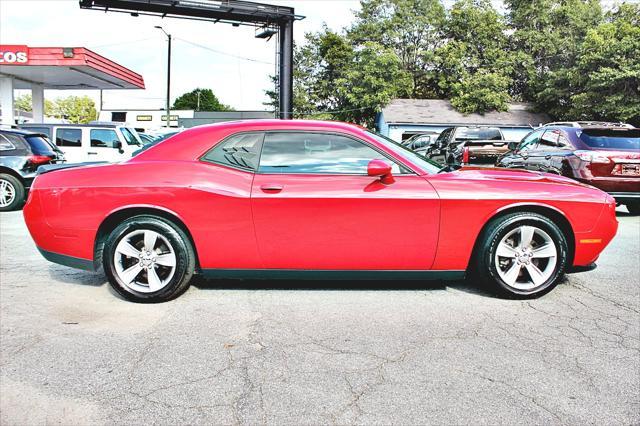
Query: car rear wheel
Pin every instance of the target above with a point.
(634, 208)
(522, 255)
(148, 259)
(11, 193)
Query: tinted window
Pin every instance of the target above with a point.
(530, 141)
(480, 133)
(413, 157)
(316, 153)
(103, 138)
(240, 151)
(69, 137)
(39, 145)
(611, 139)
(129, 136)
(6, 144)
(550, 139)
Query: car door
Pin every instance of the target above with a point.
(315, 207)
(554, 147)
(521, 158)
(69, 140)
(438, 151)
(103, 145)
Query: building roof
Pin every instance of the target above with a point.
(440, 111)
(65, 68)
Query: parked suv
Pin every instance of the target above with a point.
(21, 153)
(90, 142)
(605, 157)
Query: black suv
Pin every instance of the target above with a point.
(21, 153)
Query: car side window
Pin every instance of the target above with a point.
(6, 144)
(317, 153)
(103, 138)
(549, 139)
(239, 151)
(443, 137)
(530, 141)
(69, 137)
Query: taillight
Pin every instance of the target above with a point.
(37, 160)
(592, 157)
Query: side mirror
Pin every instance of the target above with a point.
(512, 146)
(118, 145)
(382, 169)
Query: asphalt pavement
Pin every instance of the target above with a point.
(72, 352)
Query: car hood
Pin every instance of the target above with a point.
(520, 175)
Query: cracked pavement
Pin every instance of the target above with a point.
(72, 352)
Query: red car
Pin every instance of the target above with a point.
(309, 199)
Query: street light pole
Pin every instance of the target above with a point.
(168, 75)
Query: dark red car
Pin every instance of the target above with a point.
(309, 199)
(605, 157)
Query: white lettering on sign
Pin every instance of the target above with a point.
(14, 54)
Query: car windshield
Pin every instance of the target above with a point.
(129, 136)
(406, 153)
(611, 138)
(39, 145)
(478, 133)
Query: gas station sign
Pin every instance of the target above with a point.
(14, 54)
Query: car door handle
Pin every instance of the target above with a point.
(92, 153)
(270, 187)
(547, 157)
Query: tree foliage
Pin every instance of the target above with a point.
(567, 57)
(75, 109)
(200, 100)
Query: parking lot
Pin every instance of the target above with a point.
(307, 352)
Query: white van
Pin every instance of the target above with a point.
(90, 142)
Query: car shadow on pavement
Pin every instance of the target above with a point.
(76, 276)
(343, 285)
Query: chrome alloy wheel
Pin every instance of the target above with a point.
(526, 257)
(7, 193)
(144, 261)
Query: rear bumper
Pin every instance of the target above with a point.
(585, 268)
(70, 261)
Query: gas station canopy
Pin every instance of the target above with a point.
(61, 68)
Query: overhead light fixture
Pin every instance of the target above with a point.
(265, 32)
(67, 52)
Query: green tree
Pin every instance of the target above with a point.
(607, 71)
(474, 66)
(200, 100)
(76, 109)
(23, 103)
(546, 38)
(335, 80)
(410, 28)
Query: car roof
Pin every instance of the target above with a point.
(98, 126)
(21, 132)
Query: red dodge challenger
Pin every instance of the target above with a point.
(317, 200)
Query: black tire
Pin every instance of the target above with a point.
(485, 267)
(181, 245)
(633, 208)
(18, 192)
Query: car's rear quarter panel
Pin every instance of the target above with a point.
(212, 201)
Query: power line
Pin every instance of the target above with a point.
(224, 53)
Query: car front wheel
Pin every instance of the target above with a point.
(148, 259)
(522, 255)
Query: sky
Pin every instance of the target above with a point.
(134, 43)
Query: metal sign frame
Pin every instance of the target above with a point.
(235, 12)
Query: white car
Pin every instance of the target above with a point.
(90, 142)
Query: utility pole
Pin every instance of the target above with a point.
(168, 75)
